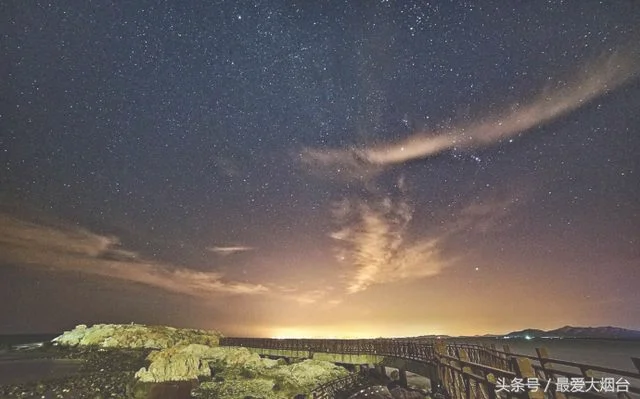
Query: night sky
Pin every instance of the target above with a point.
(326, 168)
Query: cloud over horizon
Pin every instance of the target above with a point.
(375, 244)
(77, 249)
(372, 238)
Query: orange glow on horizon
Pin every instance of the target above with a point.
(351, 332)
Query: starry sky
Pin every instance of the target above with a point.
(320, 169)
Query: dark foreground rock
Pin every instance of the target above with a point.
(94, 386)
(104, 373)
(382, 392)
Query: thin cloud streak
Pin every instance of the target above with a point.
(76, 249)
(230, 250)
(596, 80)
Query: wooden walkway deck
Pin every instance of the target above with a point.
(469, 371)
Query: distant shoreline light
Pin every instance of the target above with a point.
(351, 332)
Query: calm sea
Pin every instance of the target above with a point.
(18, 366)
(608, 353)
(7, 341)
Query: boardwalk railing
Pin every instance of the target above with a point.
(475, 371)
(330, 389)
(385, 347)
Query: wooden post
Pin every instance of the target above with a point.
(524, 370)
(462, 355)
(636, 362)
(489, 390)
(452, 386)
(403, 378)
(440, 347)
(506, 356)
(466, 381)
(434, 376)
(543, 354)
(547, 369)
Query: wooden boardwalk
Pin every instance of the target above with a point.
(469, 371)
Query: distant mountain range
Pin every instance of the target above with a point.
(562, 332)
(577, 332)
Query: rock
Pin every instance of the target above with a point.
(180, 363)
(401, 393)
(254, 388)
(306, 375)
(239, 373)
(373, 392)
(135, 336)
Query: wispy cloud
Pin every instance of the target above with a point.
(375, 243)
(309, 297)
(324, 296)
(230, 250)
(373, 239)
(77, 249)
(593, 81)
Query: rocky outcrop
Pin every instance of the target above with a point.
(263, 388)
(238, 373)
(135, 336)
(189, 355)
(179, 363)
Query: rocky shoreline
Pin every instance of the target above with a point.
(142, 362)
(102, 374)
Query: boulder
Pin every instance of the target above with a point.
(306, 375)
(187, 362)
(180, 363)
